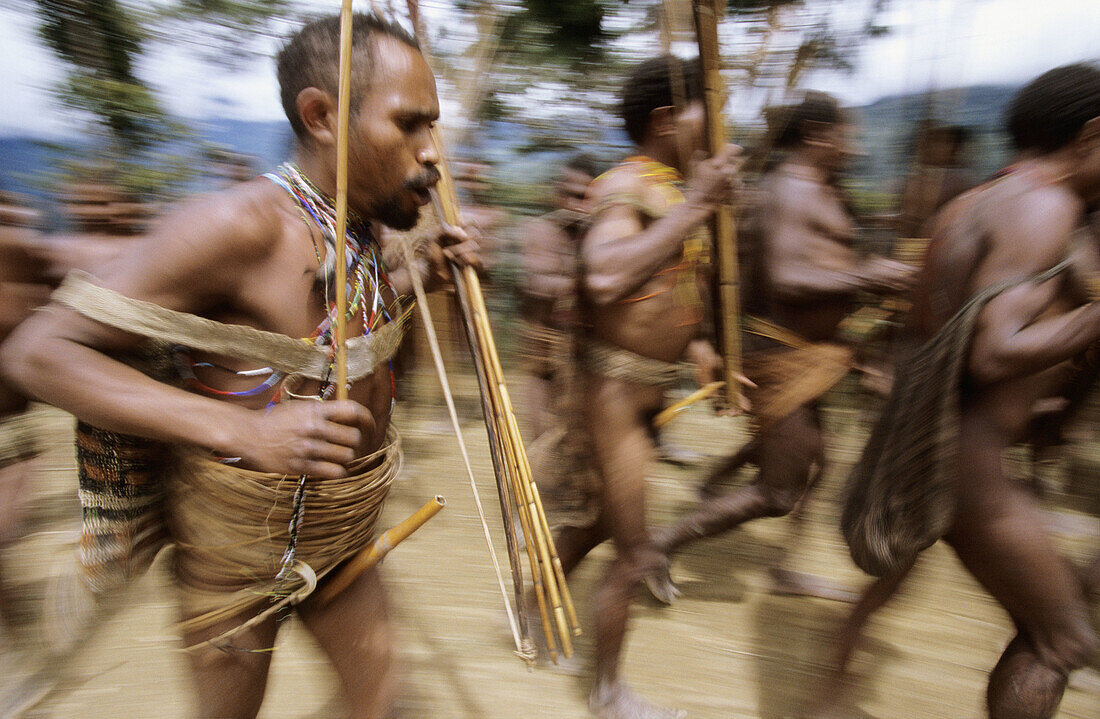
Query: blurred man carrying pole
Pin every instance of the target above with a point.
(642, 302)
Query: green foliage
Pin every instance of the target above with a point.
(129, 110)
(97, 36)
(100, 41)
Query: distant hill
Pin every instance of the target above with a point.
(886, 129)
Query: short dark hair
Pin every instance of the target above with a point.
(1048, 112)
(311, 58)
(582, 162)
(791, 121)
(651, 85)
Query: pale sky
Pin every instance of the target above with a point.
(933, 43)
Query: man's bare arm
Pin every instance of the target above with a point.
(546, 265)
(620, 254)
(192, 262)
(1012, 337)
(1011, 341)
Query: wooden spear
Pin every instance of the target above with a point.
(727, 318)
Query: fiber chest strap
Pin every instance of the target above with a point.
(282, 353)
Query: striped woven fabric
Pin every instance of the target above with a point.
(122, 496)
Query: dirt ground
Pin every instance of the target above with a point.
(726, 649)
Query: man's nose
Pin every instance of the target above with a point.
(429, 152)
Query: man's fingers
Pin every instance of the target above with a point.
(323, 470)
(465, 254)
(340, 434)
(327, 452)
(350, 413)
(453, 235)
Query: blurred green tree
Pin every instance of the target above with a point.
(100, 43)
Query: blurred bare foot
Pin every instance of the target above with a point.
(616, 701)
(800, 584)
(659, 582)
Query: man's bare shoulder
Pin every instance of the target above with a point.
(788, 192)
(243, 220)
(623, 179)
(1032, 221)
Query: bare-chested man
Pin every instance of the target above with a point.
(641, 291)
(260, 254)
(20, 291)
(548, 295)
(1010, 278)
(803, 277)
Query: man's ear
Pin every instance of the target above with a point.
(1088, 138)
(662, 121)
(317, 111)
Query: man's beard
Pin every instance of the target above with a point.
(389, 211)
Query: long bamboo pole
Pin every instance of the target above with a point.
(727, 319)
(343, 106)
(496, 448)
(513, 473)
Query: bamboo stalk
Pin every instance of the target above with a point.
(379, 548)
(530, 488)
(540, 575)
(437, 358)
(504, 491)
(342, 119)
(541, 552)
(727, 319)
(542, 536)
(559, 572)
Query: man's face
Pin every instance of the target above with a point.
(571, 189)
(392, 157)
(838, 146)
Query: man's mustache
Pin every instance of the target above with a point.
(424, 180)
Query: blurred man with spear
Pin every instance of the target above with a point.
(235, 298)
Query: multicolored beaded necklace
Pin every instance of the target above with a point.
(366, 269)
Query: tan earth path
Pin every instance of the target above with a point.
(727, 649)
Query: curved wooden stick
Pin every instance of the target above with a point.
(379, 548)
(669, 413)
